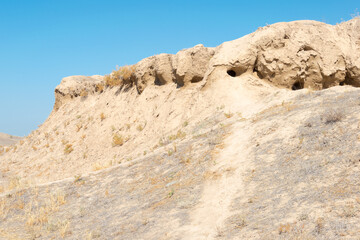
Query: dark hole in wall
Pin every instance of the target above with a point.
(255, 69)
(231, 73)
(349, 80)
(236, 71)
(179, 80)
(158, 81)
(306, 48)
(196, 79)
(297, 86)
(179, 84)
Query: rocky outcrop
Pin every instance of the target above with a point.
(187, 66)
(77, 86)
(295, 55)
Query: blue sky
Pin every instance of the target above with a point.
(43, 41)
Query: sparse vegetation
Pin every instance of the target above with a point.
(77, 178)
(319, 226)
(99, 88)
(117, 140)
(102, 116)
(120, 76)
(170, 152)
(228, 115)
(284, 228)
(78, 127)
(171, 193)
(140, 127)
(68, 148)
(66, 124)
(332, 116)
(84, 93)
(179, 135)
(99, 166)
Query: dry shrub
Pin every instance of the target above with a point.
(228, 115)
(102, 116)
(319, 225)
(68, 149)
(120, 76)
(78, 127)
(332, 116)
(118, 140)
(180, 134)
(99, 87)
(83, 93)
(140, 127)
(100, 166)
(284, 228)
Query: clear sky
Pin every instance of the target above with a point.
(42, 41)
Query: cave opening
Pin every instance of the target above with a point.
(231, 73)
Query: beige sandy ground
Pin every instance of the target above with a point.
(261, 177)
(227, 157)
(6, 139)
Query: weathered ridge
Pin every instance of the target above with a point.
(295, 55)
(257, 138)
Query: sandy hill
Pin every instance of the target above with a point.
(254, 139)
(6, 139)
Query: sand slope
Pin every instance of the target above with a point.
(6, 139)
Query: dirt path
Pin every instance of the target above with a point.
(226, 179)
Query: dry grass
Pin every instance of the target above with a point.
(64, 226)
(332, 116)
(102, 116)
(170, 152)
(228, 115)
(284, 228)
(99, 88)
(319, 225)
(99, 166)
(78, 126)
(39, 214)
(68, 148)
(140, 127)
(84, 93)
(117, 140)
(120, 76)
(179, 135)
